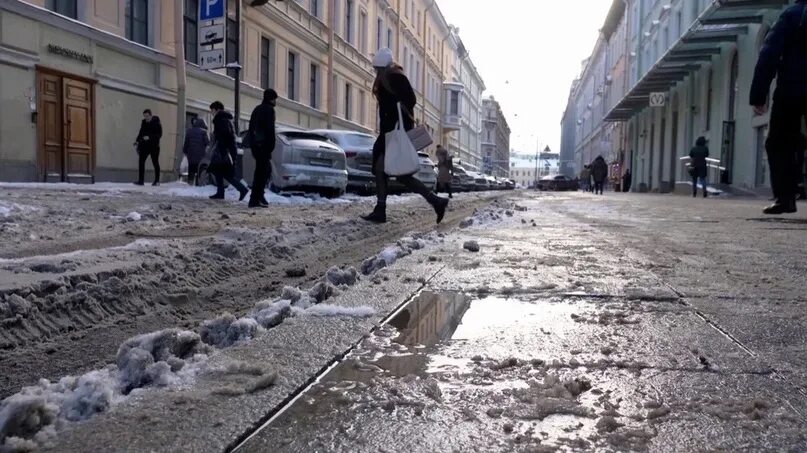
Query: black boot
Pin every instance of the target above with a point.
(439, 204)
(379, 214)
(781, 207)
(219, 195)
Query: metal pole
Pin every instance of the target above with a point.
(179, 46)
(331, 41)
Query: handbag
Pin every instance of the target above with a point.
(400, 156)
(420, 137)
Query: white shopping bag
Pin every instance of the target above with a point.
(400, 156)
(183, 166)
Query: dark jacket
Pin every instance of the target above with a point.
(396, 88)
(262, 129)
(783, 56)
(599, 170)
(153, 130)
(224, 134)
(698, 155)
(196, 141)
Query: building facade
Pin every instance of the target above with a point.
(495, 139)
(75, 75)
(695, 59)
(526, 170)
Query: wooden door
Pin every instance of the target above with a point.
(78, 129)
(51, 155)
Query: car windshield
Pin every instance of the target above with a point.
(356, 140)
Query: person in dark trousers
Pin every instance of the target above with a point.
(224, 152)
(148, 145)
(599, 172)
(445, 171)
(627, 180)
(783, 57)
(262, 142)
(390, 88)
(699, 167)
(196, 143)
(801, 193)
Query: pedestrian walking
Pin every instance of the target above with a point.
(627, 180)
(392, 87)
(147, 144)
(783, 57)
(699, 168)
(224, 152)
(445, 171)
(585, 178)
(196, 143)
(599, 173)
(262, 143)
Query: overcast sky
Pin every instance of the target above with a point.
(528, 52)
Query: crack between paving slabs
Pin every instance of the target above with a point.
(287, 402)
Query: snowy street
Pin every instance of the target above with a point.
(526, 322)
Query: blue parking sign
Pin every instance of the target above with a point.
(212, 9)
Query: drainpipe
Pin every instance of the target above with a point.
(331, 40)
(425, 57)
(179, 47)
(443, 99)
(626, 79)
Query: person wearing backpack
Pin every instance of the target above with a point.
(224, 152)
(392, 87)
(783, 57)
(262, 143)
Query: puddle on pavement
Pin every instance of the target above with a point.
(422, 361)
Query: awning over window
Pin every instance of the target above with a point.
(721, 23)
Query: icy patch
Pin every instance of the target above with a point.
(270, 314)
(9, 208)
(390, 255)
(226, 330)
(30, 418)
(133, 216)
(329, 311)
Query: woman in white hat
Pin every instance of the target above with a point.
(391, 87)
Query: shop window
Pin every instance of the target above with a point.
(137, 28)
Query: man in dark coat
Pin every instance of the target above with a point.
(225, 152)
(700, 166)
(262, 142)
(148, 145)
(784, 57)
(196, 143)
(599, 172)
(627, 180)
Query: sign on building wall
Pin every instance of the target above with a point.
(658, 99)
(212, 42)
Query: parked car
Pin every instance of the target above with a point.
(358, 149)
(428, 171)
(555, 182)
(466, 181)
(303, 161)
(457, 184)
(480, 182)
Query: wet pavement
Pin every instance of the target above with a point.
(583, 324)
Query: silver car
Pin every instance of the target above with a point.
(358, 149)
(428, 171)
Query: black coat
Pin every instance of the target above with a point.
(196, 142)
(698, 155)
(784, 57)
(153, 130)
(599, 170)
(224, 134)
(396, 89)
(262, 129)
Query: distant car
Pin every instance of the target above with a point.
(556, 183)
(428, 171)
(480, 183)
(466, 181)
(358, 149)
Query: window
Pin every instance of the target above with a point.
(417, 25)
(190, 22)
(454, 105)
(709, 89)
(349, 21)
(292, 76)
(315, 8)
(137, 28)
(362, 108)
(232, 45)
(348, 106)
(389, 38)
(314, 87)
(68, 8)
(379, 34)
(417, 76)
(267, 63)
(363, 32)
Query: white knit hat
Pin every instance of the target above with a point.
(383, 58)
